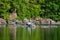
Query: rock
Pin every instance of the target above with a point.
(58, 22)
(18, 23)
(25, 20)
(30, 25)
(47, 21)
(36, 22)
(12, 24)
(2, 22)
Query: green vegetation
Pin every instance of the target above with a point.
(28, 8)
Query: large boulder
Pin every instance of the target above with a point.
(2, 22)
(25, 20)
(47, 21)
(58, 22)
(28, 23)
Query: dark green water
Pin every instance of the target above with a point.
(33, 34)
